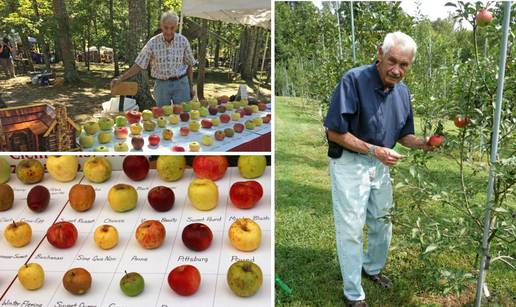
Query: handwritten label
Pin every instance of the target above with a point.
(79, 221)
(236, 258)
(6, 220)
(254, 218)
(33, 220)
(136, 258)
(81, 304)
(15, 256)
(204, 219)
(192, 259)
(48, 257)
(95, 258)
(108, 220)
(8, 302)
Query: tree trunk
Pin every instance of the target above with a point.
(203, 43)
(247, 61)
(216, 52)
(149, 22)
(242, 51)
(26, 48)
(65, 42)
(41, 37)
(88, 42)
(135, 42)
(113, 38)
(257, 54)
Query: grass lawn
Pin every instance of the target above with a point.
(306, 257)
(85, 99)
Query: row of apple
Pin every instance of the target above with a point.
(138, 141)
(244, 278)
(244, 235)
(99, 169)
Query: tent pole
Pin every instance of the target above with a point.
(494, 152)
(181, 23)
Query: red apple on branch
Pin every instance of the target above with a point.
(484, 17)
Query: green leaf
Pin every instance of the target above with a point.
(430, 248)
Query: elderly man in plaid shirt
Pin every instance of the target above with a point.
(170, 57)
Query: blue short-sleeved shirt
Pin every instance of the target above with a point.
(360, 106)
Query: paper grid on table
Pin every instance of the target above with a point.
(165, 146)
(107, 267)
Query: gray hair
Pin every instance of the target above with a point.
(169, 15)
(402, 41)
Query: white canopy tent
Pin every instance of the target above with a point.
(253, 13)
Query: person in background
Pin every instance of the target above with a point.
(6, 58)
(369, 113)
(171, 63)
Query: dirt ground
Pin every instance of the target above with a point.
(84, 99)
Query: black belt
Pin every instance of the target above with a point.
(174, 78)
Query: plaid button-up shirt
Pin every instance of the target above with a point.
(166, 59)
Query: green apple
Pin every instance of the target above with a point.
(97, 169)
(147, 115)
(251, 166)
(106, 123)
(121, 147)
(171, 168)
(212, 102)
(63, 168)
(207, 140)
(196, 105)
(229, 106)
(173, 119)
(254, 108)
(195, 114)
(235, 116)
(149, 125)
(91, 127)
(187, 107)
(101, 148)
(203, 111)
(5, 170)
(215, 121)
(121, 121)
(86, 140)
(249, 125)
(132, 284)
(162, 122)
(244, 278)
(258, 121)
(167, 110)
(194, 125)
(122, 197)
(31, 276)
(203, 194)
(104, 137)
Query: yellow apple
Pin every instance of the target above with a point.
(18, 234)
(122, 197)
(203, 193)
(97, 169)
(245, 235)
(173, 119)
(171, 168)
(207, 140)
(63, 168)
(106, 236)
(195, 114)
(31, 276)
(251, 166)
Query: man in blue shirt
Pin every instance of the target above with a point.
(370, 111)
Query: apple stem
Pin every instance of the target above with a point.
(125, 272)
(14, 223)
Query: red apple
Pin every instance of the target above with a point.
(121, 132)
(150, 234)
(184, 280)
(154, 140)
(266, 119)
(62, 235)
(136, 167)
(242, 113)
(213, 110)
(38, 198)
(184, 131)
(238, 127)
(206, 123)
(133, 116)
(435, 140)
(221, 109)
(248, 110)
(225, 118)
(185, 116)
(222, 99)
(137, 142)
(460, 121)
(157, 111)
(210, 167)
(484, 17)
(245, 194)
(219, 135)
(178, 109)
(178, 148)
(262, 106)
(161, 198)
(197, 237)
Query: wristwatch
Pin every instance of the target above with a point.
(370, 151)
